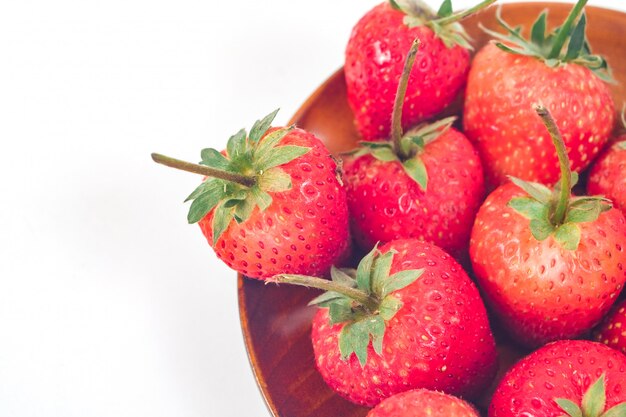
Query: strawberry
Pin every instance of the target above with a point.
(612, 331)
(272, 202)
(551, 265)
(386, 203)
(408, 318)
(426, 184)
(568, 378)
(423, 402)
(607, 174)
(510, 76)
(374, 60)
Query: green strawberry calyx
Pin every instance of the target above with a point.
(406, 148)
(412, 144)
(555, 212)
(551, 47)
(445, 23)
(242, 178)
(593, 403)
(362, 299)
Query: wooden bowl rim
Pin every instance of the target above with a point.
(304, 108)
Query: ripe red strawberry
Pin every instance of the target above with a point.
(572, 378)
(551, 265)
(272, 203)
(425, 184)
(410, 318)
(509, 77)
(385, 203)
(376, 52)
(423, 402)
(612, 331)
(607, 174)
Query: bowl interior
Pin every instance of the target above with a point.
(276, 320)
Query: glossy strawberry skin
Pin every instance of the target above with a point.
(540, 291)
(499, 117)
(612, 331)
(416, 402)
(563, 369)
(303, 231)
(440, 339)
(386, 204)
(607, 176)
(375, 58)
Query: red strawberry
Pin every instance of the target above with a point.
(423, 402)
(272, 203)
(550, 265)
(572, 378)
(607, 174)
(509, 77)
(411, 318)
(426, 184)
(612, 331)
(376, 52)
(385, 203)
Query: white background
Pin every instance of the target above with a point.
(110, 304)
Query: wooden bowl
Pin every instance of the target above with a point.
(276, 320)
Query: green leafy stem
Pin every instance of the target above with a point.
(168, 161)
(565, 30)
(447, 17)
(550, 47)
(401, 147)
(363, 300)
(445, 23)
(240, 179)
(396, 117)
(566, 171)
(555, 212)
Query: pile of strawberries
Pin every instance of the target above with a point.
(407, 331)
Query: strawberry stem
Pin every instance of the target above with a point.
(396, 116)
(355, 294)
(566, 171)
(203, 170)
(453, 18)
(565, 30)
